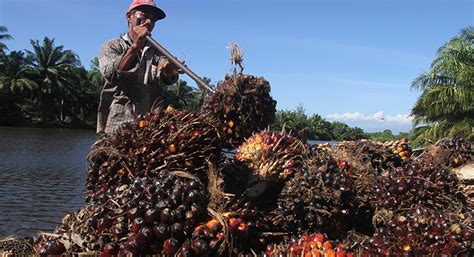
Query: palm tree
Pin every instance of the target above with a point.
(320, 128)
(54, 70)
(15, 88)
(447, 96)
(3, 36)
(12, 77)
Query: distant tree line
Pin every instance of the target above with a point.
(314, 127)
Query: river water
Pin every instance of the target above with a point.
(42, 177)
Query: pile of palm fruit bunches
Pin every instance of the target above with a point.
(163, 186)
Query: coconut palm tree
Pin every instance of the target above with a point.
(447, 96)
(54, 71)
(3, 36)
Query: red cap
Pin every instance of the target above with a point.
(158, 12)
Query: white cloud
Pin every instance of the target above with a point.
(377, 121)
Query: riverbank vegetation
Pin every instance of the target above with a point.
(48, 86)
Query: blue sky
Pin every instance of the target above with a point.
(351, 61)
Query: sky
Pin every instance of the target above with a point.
(350, 61)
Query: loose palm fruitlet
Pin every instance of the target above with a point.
(400, 147)
(241, 105)
(309, 245)
(162, 139)
(416, 183)
(149, 216)
(422, 232)
(318, 199)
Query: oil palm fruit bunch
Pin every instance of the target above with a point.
(273, 154)
(318, 199)
(273, 157)
(416, 183)
(459, 151)
(422, 232)
(162, 139)
(149, 216)
(365, 152)
(365, 161)
(241, 104)
(400, 147)
(309, 245)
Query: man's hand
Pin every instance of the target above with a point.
(169, 70)
(141, 31)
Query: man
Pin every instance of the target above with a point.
(135, 72)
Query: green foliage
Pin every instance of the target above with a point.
(387, 135)
(47, 85)
(3, 36)
(182, 96)
(315, 127)
(446, 104)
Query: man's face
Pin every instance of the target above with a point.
(143, 15)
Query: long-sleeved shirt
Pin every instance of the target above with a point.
(127, 94)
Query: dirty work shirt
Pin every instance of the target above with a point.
(127, 94)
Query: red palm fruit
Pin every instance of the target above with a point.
(213, 225)
(330, 253)
(165, 216)
(269, 250)
(152, 216)
(138, 223)
(109, 250)
(200, 246)
(327, 245)
(161, 231)
(294, 249)
(234, 223)
(319, 238)
(306, 238)
(185, 250)
(170, 246)
(243, 230)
